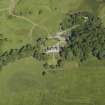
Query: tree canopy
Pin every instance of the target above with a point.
(88, 38)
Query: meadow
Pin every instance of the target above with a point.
(22, 82)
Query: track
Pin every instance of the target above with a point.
(11, 12)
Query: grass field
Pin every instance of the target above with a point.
(21, 82)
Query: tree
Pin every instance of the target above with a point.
(45, 65)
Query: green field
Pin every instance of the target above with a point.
(22, 82)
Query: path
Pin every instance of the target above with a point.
(65, 31)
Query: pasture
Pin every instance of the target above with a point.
(22, 82)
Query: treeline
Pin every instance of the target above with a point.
(16, 54)
(88, 38)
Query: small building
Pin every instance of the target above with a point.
(52, 49)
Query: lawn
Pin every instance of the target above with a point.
(22, 82)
